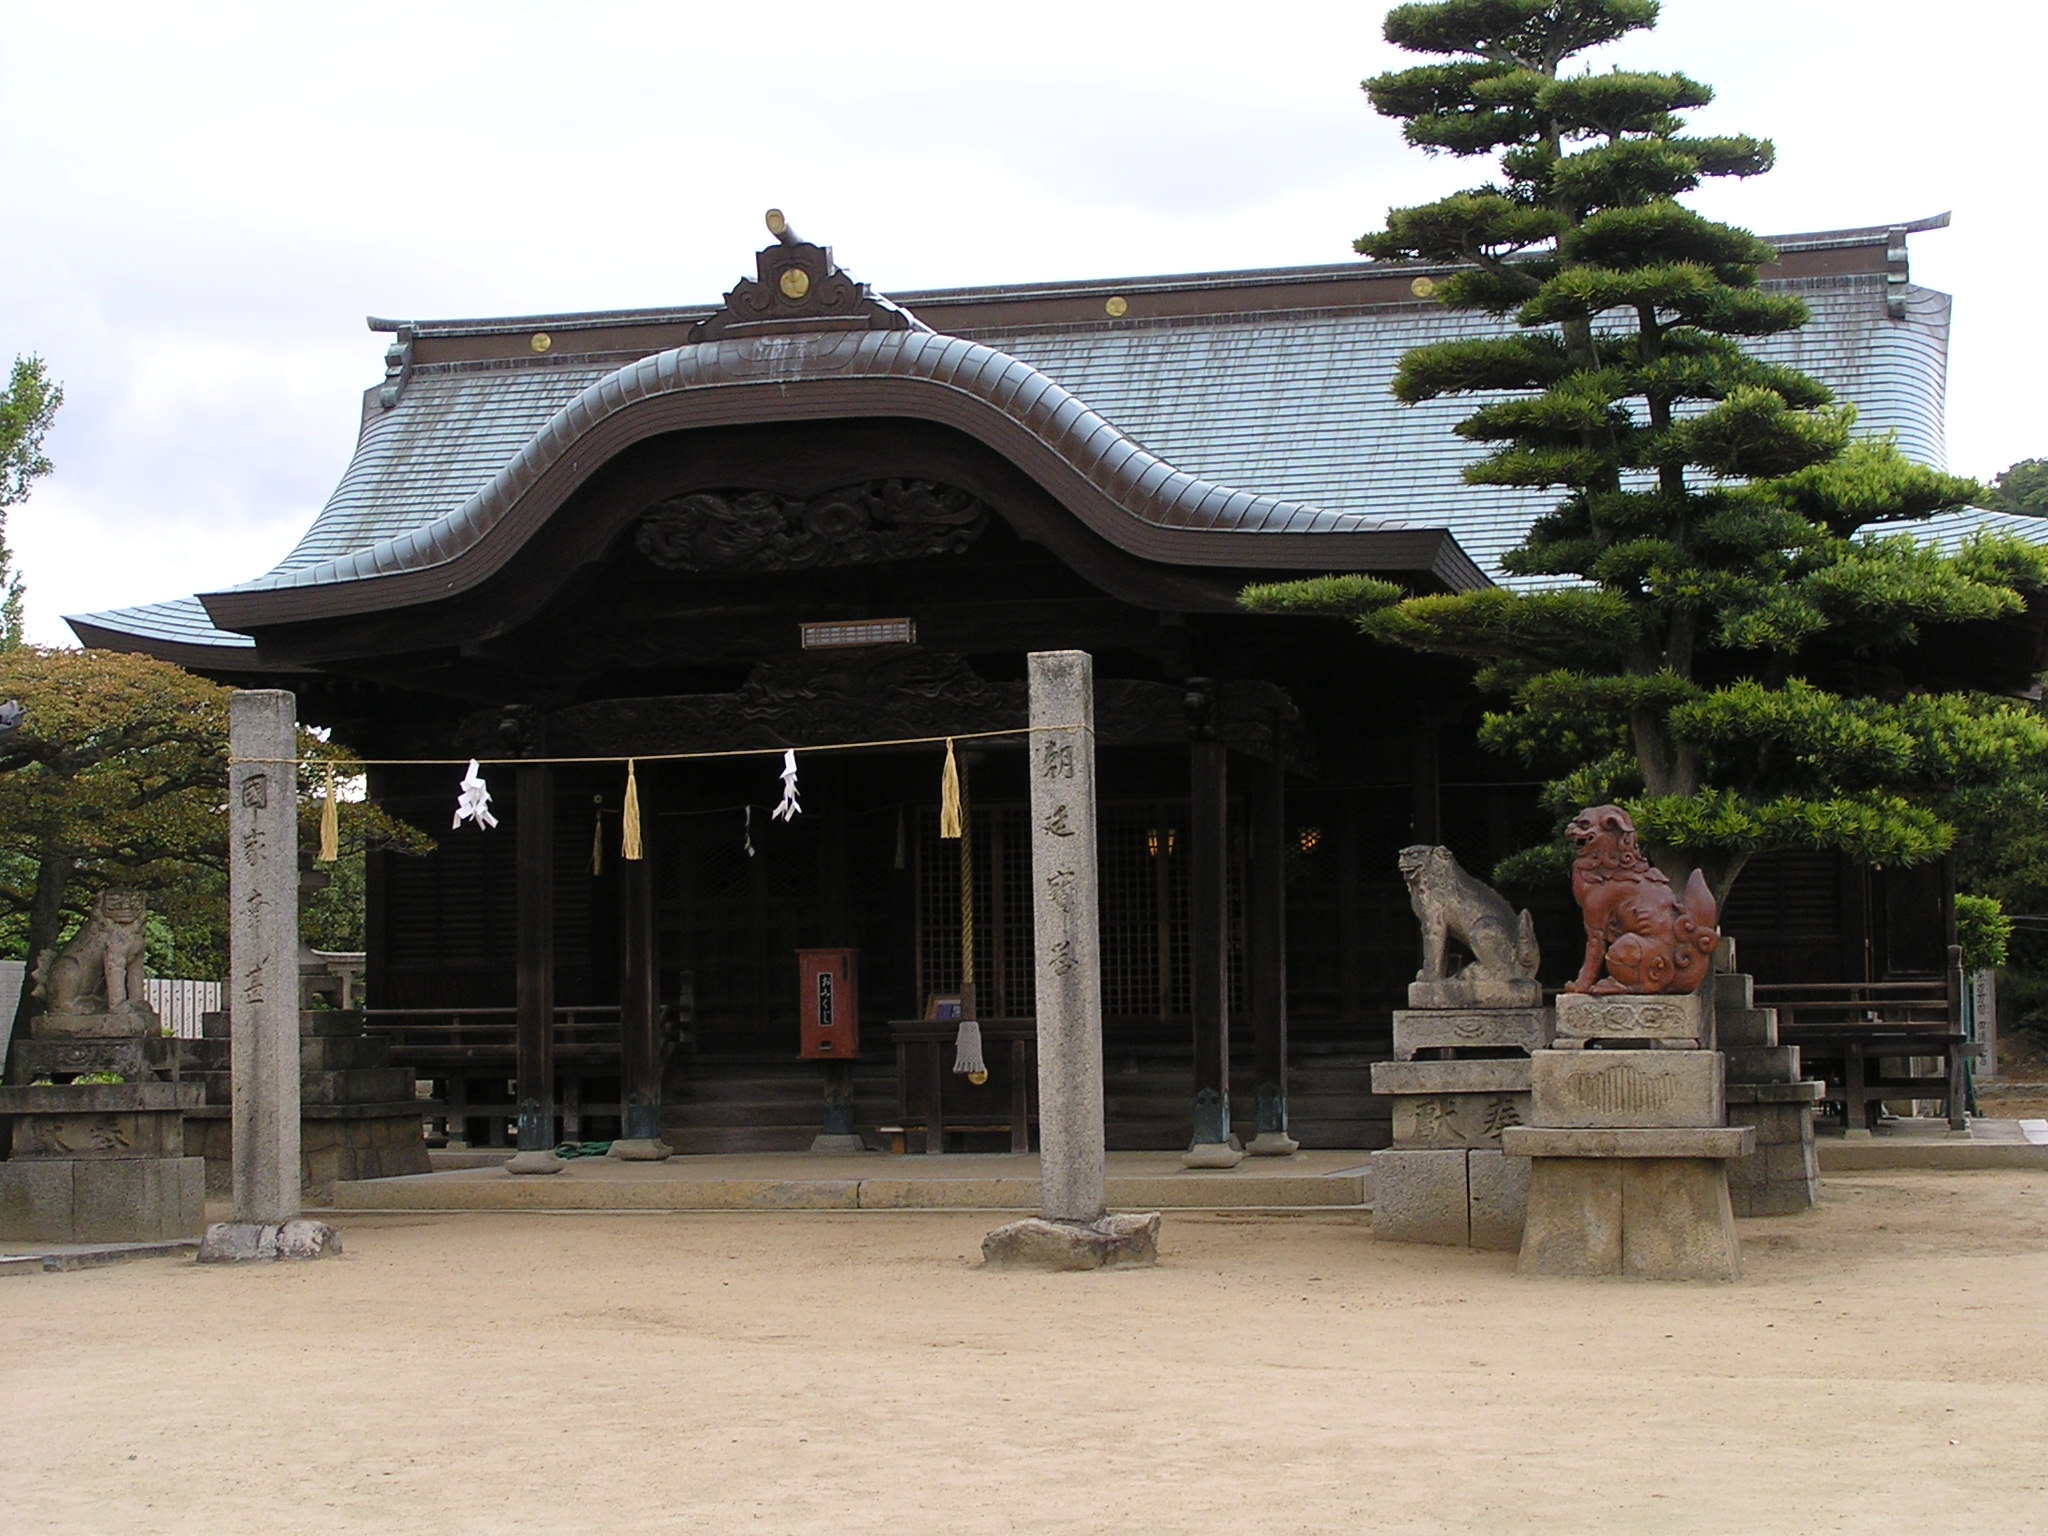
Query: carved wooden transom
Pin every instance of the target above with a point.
(854, 525)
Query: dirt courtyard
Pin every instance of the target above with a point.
(1884, 1365)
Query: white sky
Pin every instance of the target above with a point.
(207, 198)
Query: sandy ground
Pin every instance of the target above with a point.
(1882, 1367)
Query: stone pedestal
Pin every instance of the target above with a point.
(1445, 1179)
(360, 1117)
(1646, 1204)
(1666, 1021)
(100, 1163)
(1628, 1153)
(1782, 1176)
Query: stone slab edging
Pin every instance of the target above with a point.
(497, 1191)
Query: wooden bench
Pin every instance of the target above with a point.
(1847, 1033)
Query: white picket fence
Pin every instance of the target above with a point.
(180, 1003)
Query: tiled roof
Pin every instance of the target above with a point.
(1302, 407)
(1294, 405)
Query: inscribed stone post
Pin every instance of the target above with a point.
(1063, 870)
(263, 947)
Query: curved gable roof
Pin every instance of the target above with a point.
(1129, 496)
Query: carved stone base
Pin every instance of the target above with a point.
(1272, 1144)
(1471, 1029)
(1476, 992)
(835, 1145)
(643, 1149)
(1683, 1018)
(1212, 1154)
(1128, 1240)
(1643, 1218)
(534, 1162)
(121, 1023)
(245, 1242)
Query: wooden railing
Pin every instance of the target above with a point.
(1862, 1039)
(450, 1038)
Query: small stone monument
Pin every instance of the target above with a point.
(1461, 1073)
(1627, 1140)
(98, 1145)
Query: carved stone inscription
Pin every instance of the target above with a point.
(1457, 1119)
(855, 525)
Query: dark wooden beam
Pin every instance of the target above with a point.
(1209, 939)
(534, 831)
(1267, 969)
(639, 1046)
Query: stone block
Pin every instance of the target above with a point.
(1457, 1119)
(1573, 1226)
(1476, 992)
(1117, 1241)
(1505, 1075)
(1766, 1199)
(1593, 1089)
(1676, 1221)
(1683, 1017)
(1734, 989)
(1527, 1029)
(116, 1134)
(1421, 1197)
(316, 1022)
(1685, 1142)
(66, 1058)
(1497, 1189)
(35, 1201)
(1736, 1028)
(1762, 1064)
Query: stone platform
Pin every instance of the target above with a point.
(100, 1162)
(359, 1116)
(873, 1181)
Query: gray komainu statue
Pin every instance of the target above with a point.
(100, 970)
(1450, 904)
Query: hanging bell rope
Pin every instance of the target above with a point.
(629, 818)
(330, 824)
(967, 1059)
(949, 795)
(597, 836)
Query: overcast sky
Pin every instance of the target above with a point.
(206, 199)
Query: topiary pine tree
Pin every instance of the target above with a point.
(1708, 637)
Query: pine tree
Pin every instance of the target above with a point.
(27, 407)
(1706, 634)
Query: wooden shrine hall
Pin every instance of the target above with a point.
(812, 517)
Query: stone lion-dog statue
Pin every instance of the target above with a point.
(1644, 937)
(101, 969)
(1450, 904)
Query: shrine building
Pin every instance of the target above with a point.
(813, 517)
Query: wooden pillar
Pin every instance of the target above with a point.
(639, 1040)
(533, 829)
(1209, 936)
(1268, 958)
(1425, 814)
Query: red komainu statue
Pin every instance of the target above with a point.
(1644, 937)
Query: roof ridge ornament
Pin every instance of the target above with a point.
(797, 286)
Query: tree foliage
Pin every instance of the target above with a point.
(118, 777)
(1711, 628)
(2022, 488)
(27, 407)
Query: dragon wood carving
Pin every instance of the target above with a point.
(1645, 938)
(854, 525)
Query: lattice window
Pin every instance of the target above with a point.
(1147, 961)
(1003, 962)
